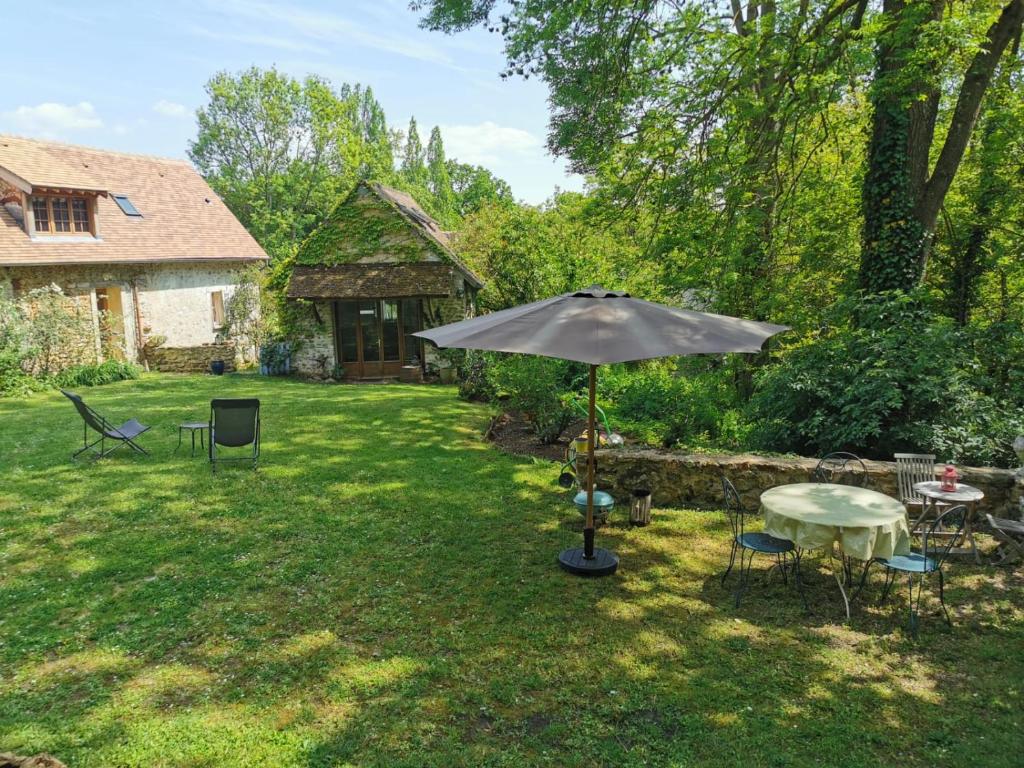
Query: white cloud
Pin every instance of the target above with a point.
(323, 25)
(51, 119)
(170, 108)
(488, 143)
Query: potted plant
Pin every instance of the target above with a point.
(276, 358)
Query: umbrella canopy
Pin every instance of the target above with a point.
(596, 326)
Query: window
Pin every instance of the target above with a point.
(217, 305)
(41, 211)
(61, 215)
(126, 206)
(79, 214)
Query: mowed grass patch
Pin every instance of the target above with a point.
(383, 592)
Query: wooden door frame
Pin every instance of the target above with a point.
(360, 364)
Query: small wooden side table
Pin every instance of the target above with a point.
(193, 427)
(964, 494)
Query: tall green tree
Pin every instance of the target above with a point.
(438, 181)
(911, 163)
(378, 158)
(414, 166)
(281, 151)
(693, 106)
(473, 186)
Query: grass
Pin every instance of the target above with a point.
(383, 592)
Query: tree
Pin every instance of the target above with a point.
(526, 253)
(378, 158)
(473, 186)
(414, 169)
(281, 152)
(438, 181)
(688, 104)
(903, 190)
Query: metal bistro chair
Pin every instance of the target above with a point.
(125, 434)
(841, 468)
(949, 526)
(234, 423)
(744, 541)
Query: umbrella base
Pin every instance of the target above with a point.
(603, 563)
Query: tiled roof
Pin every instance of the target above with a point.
(371, 281)
(182, 219)
(424, 224)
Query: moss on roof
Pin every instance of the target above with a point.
(366, 225)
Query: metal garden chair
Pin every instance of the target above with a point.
(948, 527)
(753, 542)
(234, 423)
(841, 468)
(125, 434)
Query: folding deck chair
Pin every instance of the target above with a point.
(1010, 534)
(125, 434)
(234, 423)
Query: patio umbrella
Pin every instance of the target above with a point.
(596, 326)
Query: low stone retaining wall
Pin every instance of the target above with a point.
(691, 480)
(190, 359)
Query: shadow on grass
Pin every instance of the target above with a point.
(383, 591)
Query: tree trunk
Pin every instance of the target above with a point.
(901, 201)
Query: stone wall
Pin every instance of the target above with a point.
(191, 359)
(686, 480)
(441, 311)
(174, 300)
(316, 341)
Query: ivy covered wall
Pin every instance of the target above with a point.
(364, 227)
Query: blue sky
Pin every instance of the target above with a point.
(129, 75)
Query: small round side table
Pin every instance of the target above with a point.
(964, 494)
(193, 427)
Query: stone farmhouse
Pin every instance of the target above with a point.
(377, 270)
(141, 245)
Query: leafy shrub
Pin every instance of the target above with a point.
(475, 380)
(537, 386)
(659, 402)
(106, 372)
(15, 350)
(902, 379)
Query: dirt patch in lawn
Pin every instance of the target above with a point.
(513, 433)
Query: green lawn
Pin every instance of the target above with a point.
(383, 592)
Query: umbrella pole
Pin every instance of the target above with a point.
(588, 531)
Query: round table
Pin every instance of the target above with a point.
(192, 427)
(864, 524)
(964, 494)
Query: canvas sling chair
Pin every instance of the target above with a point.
(234, 423)
(123, 435)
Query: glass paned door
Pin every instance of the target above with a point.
(391, 332)
(373, 336)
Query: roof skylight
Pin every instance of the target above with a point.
(126, 206)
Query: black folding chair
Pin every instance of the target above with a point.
(120, 436)
(234, 423)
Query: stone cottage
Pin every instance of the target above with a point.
(377, 270)
(141, 245)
